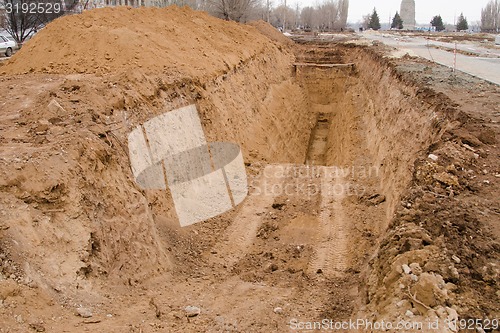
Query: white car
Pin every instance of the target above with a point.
(7, 46)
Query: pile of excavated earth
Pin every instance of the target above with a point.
(373, 182)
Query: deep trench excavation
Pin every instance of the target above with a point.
(348, 214)
(308, 223)
(318, 222)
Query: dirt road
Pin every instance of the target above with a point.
(487, 68)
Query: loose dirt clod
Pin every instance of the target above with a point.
(192, 311)
(84, 312)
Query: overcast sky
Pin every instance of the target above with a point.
(425, 9)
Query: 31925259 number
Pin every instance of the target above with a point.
(33, 8)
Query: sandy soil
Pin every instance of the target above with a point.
(373, 187)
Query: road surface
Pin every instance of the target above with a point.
(486, 65)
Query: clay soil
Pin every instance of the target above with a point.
(373, 184)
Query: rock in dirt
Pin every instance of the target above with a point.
(192, 311)
(406, 268)
(415, 268)
(452, 315)
(374, 199)
(433, 157)
(42, 127)
(490, 272)
(84, 312)
(37, 327)
(401, 303)
(278, 206)
(428, 290)
(446, 179)
(454, 273)
(56, 108)
(8, 289)
(271, 268)
(278, 310)
(487, 137)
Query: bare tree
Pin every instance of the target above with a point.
(283, 16)
(2, 16)
(194, 4)
(269, 7)
(25, 17)
(235, 10)
(297, 16)
(343, 13)
(329, 15)
(307, 17)
(366, 21)
(490, 17)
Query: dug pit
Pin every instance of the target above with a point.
(329, 132)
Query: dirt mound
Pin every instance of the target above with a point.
(270, 32)
(171, 40)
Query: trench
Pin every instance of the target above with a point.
(323, 223)
(356, 163)
(329, 146)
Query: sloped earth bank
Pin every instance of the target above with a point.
(347, 216)
(438, 259)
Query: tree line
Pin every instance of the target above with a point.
(325, 16)
(490, 17)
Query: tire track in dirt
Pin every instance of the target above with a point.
(319, 137)
(330, 257)
(239, 236)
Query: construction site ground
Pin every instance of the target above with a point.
(373, 182)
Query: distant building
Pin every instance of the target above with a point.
(408, 14)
